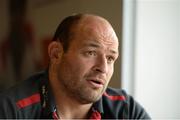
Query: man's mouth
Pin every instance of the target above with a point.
(96, 83)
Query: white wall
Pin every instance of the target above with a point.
(157, 57)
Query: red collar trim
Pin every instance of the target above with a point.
(28, 101)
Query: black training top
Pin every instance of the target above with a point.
(33, 99)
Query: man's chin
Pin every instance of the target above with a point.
(90, 97)
(90, 101)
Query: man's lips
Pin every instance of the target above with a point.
(96, 83)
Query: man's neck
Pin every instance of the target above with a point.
(72, 111)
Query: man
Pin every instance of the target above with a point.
(82, 56)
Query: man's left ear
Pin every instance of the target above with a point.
(55, 51)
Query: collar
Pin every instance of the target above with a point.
(98, 106)
(48, 102)
(97, 110)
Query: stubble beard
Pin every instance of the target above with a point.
(81, 93)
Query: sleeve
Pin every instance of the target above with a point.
(7, 108)
(135, 110)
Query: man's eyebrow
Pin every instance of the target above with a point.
(114, 52)
(92, 44)
(96, 45)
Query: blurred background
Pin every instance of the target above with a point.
(148, 67)
(27, 26)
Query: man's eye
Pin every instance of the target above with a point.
(110, 59)
(91, 53)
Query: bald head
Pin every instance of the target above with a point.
(71, 24)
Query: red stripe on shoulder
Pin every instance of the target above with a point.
(119, 97)
(28, 101)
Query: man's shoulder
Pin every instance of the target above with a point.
(23, 96)
(122, 104)
(25, 87)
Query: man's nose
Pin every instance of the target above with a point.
(101, 65)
